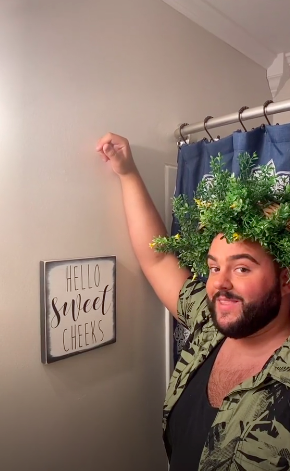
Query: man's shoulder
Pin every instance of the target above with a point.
(192, 287)
(192, 303)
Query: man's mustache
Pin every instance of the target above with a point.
(227, 295)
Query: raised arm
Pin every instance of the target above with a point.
(144, 223)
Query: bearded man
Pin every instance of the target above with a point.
(228, 402)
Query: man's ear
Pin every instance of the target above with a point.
(285, 281)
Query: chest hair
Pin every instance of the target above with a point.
(226, 374)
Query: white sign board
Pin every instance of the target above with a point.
(78, 306)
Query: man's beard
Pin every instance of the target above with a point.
(254, 316)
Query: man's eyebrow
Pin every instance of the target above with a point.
(236, 257)
(211, 257)
(244, 255)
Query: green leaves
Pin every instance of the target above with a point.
(235, 207)
(247, 163)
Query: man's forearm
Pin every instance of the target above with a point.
(144, 221)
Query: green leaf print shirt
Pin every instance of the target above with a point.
(252, 428)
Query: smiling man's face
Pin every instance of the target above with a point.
(243, 287)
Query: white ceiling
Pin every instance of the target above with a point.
(257, 28)
(267, 21)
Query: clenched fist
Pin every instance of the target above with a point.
(116, 149)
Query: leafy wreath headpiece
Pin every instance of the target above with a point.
(254, 205)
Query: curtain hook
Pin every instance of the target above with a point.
(265, 106)
(205, 127)
(240, 116)
(182, 138)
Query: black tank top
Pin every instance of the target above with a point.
(190, 420)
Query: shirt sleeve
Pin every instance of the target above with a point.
(192, 300)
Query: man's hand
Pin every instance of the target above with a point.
(117, 149)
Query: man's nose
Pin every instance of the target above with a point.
(222, 281)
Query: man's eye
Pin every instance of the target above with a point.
(243, 270)
(213, 269)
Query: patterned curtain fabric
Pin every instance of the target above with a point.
(272, 144)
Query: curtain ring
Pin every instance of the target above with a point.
(265, 106)
(205, 127)
(180, 133)
(240, 116)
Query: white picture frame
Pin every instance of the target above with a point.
(78, 306)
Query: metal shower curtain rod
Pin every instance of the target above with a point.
(243, 114)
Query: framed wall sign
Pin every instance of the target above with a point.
(78, 306)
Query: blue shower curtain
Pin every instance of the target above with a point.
(271, 143)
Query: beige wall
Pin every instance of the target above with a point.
(284, 94)
(70, 71)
